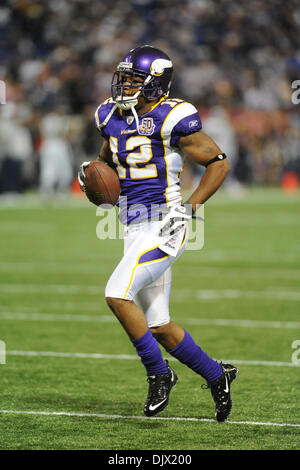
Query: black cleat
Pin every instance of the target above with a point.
(220, 390)
(160, 386)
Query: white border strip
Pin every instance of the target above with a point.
(136, 357)
(171, 418)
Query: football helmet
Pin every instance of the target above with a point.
(148, 63)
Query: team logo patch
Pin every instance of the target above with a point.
(147, 126)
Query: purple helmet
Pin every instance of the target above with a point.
(149, 63)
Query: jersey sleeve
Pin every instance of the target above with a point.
(100, 115)
(181, 121)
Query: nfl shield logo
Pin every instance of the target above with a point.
(129, 120)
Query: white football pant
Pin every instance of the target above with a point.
(144, 272)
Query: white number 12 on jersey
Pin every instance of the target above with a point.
(143, 154)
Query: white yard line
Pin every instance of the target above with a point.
(182, 295)
(65, 317)
(60, 317)
(242, 323)
(106, 264)
(240, 272)
(179, 295)
(76, 355)
(52, 266)
(61, 306)
(160, 418)
(50, 289)
(135, 357)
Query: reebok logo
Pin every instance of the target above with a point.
(193, 123)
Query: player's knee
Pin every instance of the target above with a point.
(161, 332)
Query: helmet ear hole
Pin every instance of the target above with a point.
(153, 89)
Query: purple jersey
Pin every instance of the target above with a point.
(148, 159)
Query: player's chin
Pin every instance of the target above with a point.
(129, 93)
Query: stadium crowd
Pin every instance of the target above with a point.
(235, 61)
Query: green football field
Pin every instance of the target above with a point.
(70, 378)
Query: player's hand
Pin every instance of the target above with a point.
(81, 175)
(175, 219)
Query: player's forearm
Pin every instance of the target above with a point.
(105, 155)
(210, 182)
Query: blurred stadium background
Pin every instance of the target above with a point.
(235, 61)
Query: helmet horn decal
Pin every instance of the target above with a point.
(158, 66)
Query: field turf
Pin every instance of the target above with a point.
(71, 379)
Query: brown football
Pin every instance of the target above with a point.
(102, 184)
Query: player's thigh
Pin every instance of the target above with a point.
(143, 262)
(154, 300)
(133, 273)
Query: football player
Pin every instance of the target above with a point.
(146, 135)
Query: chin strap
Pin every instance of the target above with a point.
(124, 106)
(135, 117)
(130, 104)
(108, 116)
(132, 108)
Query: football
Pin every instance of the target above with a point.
(102, 184)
